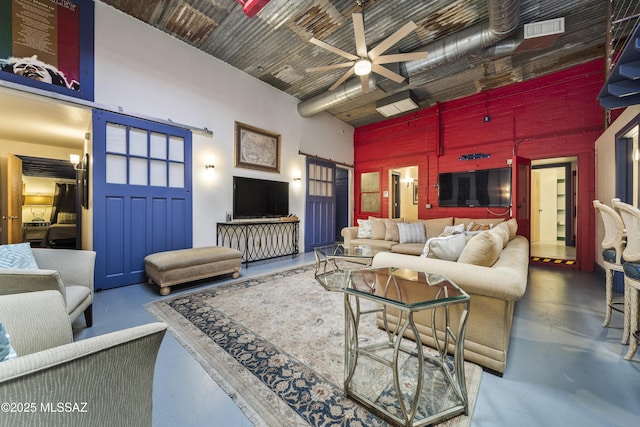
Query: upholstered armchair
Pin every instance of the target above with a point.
(99, 381)
(69, 271)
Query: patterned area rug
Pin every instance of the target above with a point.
(275, 344)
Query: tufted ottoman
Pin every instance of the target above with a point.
(169, 268)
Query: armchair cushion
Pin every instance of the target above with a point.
(35, 321)
(18, 256)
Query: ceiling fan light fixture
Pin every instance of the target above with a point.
(362, 67)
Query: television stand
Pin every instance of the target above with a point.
(259, 239)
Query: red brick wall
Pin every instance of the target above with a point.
(552, 116)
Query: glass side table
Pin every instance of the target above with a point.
(328, 272)
(396, 377)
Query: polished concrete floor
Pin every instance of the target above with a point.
(553, 249)
(564, 368)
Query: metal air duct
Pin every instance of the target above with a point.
(503, 19)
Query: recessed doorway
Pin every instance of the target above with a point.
(403, 192)
(553, 208)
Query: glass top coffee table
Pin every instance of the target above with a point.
(398, 378)
(330, 272)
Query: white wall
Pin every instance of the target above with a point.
(145, 71)
(606, 166)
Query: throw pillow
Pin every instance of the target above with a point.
(483, 249)
(378, 229)
(481, 221)
(447, 247)
(6, 351)
(411, 233)
(502, 230)
(66, 218)
(364, 229)
(17, 256)
(391, 233)
(453, 229)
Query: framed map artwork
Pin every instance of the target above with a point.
(257, 148)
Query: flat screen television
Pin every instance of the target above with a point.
(486, 187)
(259, 198)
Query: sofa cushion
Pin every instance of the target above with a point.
(483, 249)
(446, 247)
(408, 248)
(391, 230)
(364, 229)
(378, 229)
(411, 233)
(17, 256)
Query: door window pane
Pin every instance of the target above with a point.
(137, 171)
(176, 175)
(116, 138)
(158, 145)
(116, 169)
(176, 149)
(138, 142)
(370, 181)
(370, 192)
(158, 173)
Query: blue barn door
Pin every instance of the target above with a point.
(141, 195)
(320, 210)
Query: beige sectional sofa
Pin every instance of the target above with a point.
(494, 285)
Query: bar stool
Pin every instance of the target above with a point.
(631, 266)
(613, 244)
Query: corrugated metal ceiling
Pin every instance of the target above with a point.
(273, 46)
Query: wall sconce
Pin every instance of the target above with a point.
(75, 159)
(297, 180)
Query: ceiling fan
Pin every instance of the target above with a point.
(367, 61)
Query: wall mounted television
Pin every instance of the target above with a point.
(259, 198)
(485, 187)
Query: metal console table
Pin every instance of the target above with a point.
(258, 240)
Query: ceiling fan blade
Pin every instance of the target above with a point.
(392, 39)
(358, 30)
(333, 49)
(379, 69)
(364, 81)
(342, 79)
(330, 67)
(401, 57)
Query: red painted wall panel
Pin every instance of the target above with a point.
(556, 115)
